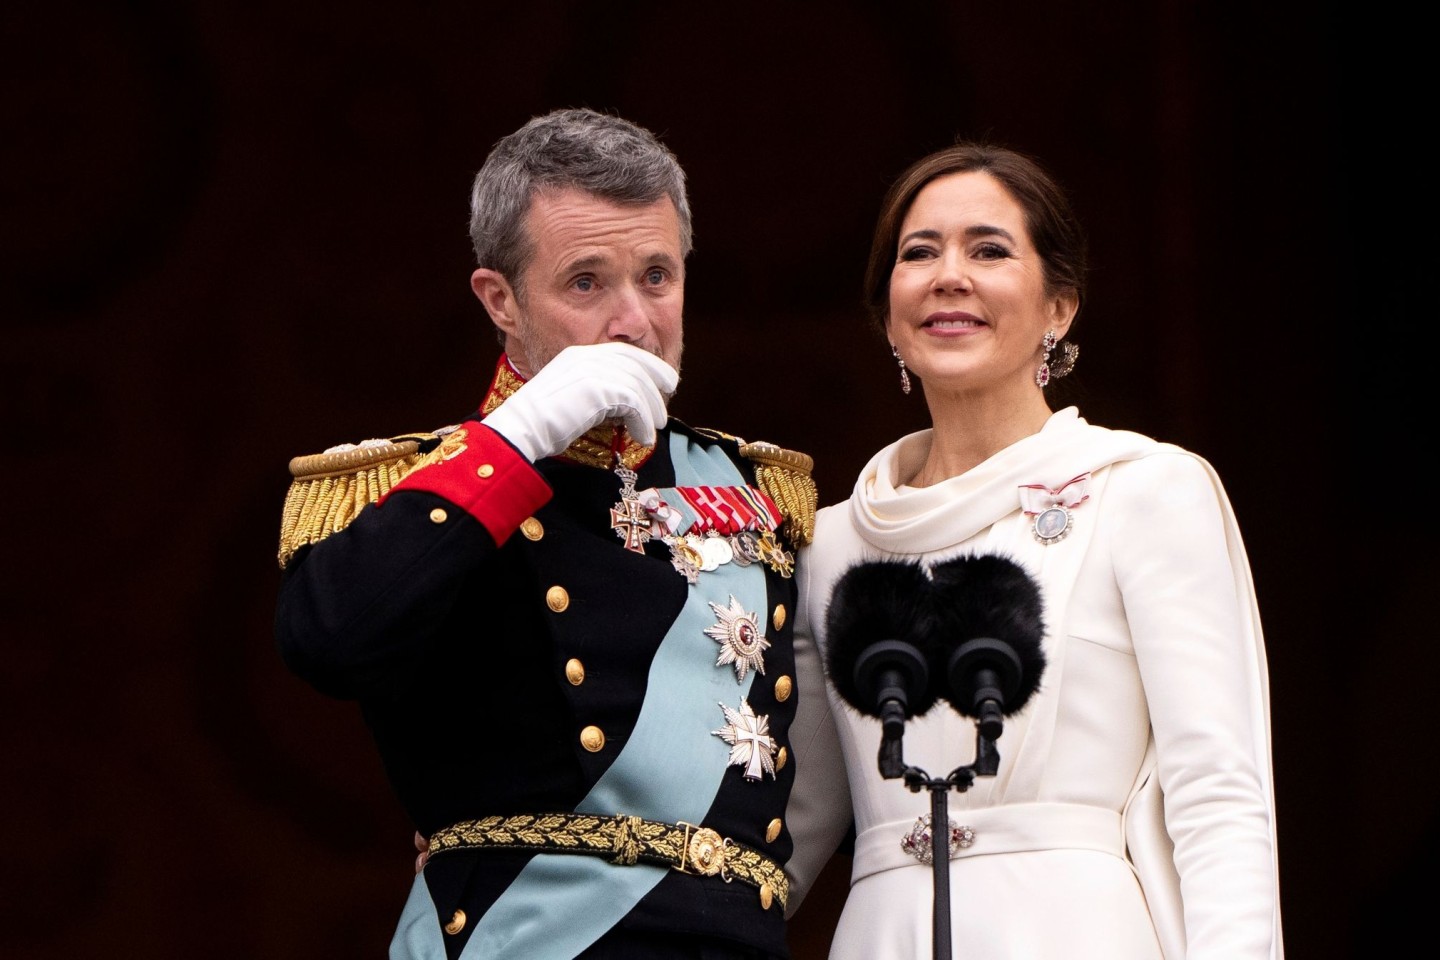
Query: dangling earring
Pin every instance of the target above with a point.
(1042, 376)
(1063, 363)
(904, 374)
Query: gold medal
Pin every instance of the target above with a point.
(776, 557)
(685, 558)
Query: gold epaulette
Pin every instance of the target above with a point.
(328, 490)
(785, 476)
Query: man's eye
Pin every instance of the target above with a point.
(585, 284)
(655, 277)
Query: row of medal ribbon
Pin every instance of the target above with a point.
(704, 527)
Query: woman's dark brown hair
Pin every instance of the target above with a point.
(1054, 231)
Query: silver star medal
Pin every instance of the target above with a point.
(751, 745)
(740, 639)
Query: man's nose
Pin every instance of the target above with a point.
(629, 318)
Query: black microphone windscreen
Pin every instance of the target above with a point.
(872, 602)
(989, 596)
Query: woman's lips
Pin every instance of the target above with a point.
(952, 321)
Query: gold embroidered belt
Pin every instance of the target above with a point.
(625, 841)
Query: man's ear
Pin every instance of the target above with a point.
(498, 297)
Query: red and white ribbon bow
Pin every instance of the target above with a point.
(1036, 497)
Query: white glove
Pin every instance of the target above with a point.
(583, 386)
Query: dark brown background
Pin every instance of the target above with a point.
(236, 233)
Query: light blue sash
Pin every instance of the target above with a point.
(670, 770)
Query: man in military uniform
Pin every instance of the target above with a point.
(568, 617)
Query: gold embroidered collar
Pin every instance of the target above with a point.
(594, 449)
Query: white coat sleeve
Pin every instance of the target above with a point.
(1183, 574)
(819, 812)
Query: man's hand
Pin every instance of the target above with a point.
(583, 386)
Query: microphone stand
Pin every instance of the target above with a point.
(987, 764)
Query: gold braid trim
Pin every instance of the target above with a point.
(624, 841)
(785, 476)
(328, 490)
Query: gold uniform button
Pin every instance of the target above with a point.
(574, 672)
(767, 895)
(438, 515)
(773, 830)
(783, 686)
(557, 599)
(780, 759)
(592, 738)
(485, 471)
(778, 618)
(457, 922)
(532, 529)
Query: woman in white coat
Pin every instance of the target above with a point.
(1132, 813)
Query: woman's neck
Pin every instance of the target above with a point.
(969, 430)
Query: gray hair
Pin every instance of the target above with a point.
(580, 148)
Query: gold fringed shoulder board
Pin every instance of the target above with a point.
(784, 475)
(328, 490)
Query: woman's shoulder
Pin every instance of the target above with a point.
(833, 525)
(836, 538)
(1140, 458)
(1163, 462)
(1168, 481)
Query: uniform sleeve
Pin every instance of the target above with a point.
(819, 813)
(1182, 572)
(358, 610)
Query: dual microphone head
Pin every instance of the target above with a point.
(968, 631)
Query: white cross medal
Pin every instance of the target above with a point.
(751, 745)
(1049, 507)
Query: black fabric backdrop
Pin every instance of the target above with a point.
(236, 233)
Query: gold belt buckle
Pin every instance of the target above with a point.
(704, 850)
